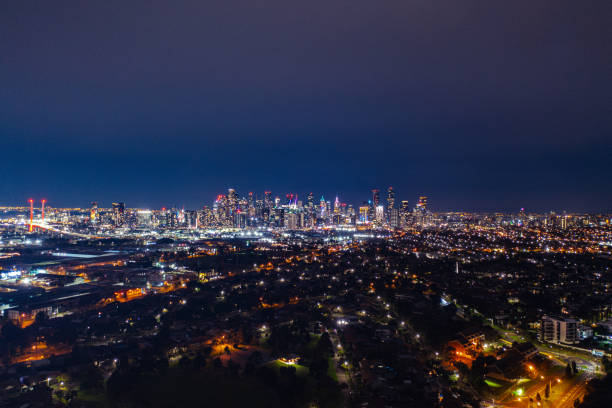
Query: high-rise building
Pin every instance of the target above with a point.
(380, 214)
(390, 199)
(268, 199)
(118, 215)
(394, 220)
(93, 213)
(559, 330)
(251, 200)
(421, 205)
(310, 201)
(364, 212)
(375, 198)
(232, 200)
(322, 207)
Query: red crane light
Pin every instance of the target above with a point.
(31, 201)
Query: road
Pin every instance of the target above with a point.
(341, 371)
(562, 395)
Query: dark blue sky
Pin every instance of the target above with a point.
(480, 105)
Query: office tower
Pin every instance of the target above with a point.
(394, 221)
(390, 199)
(380, 214)
(232, 200)
(251, 200)
(268, 199)
(336, 205)
(322, 206)
(421, 205)
(364, 212)
(93, 212)
(310, 201)
(375, 198)
(292, 220)
(118, 215)
(144, 217)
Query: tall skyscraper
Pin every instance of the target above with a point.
(93, 213)
(310, 201)
(421, 205)
(375, 198)
(390, 200)
(118, 214)
(364, 212)
(380, 214)
(268, 199)
(232, 200)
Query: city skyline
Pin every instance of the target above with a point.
(454, 101)
(302, 197)
(320, 204)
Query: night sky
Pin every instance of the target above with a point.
(480, 105)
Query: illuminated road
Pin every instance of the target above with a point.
(47, 227)
(562, 395)
(567, 400)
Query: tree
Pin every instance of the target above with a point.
(217, 362)
(547, 391)
(256, 358)
(199, 361)
(92, 378)
(41, 318)
(184, 362)
(324, 346)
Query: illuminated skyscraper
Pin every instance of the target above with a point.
(421, 205)
(394, 220)
(322, 206)
(380, 214)
(310, 201)
(232, 200)
(118, 214)
(251, 200)
(375, 198)
(93, 213)
(364, 212)
(390, 199)
(268, 199)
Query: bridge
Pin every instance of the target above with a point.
(44, 226)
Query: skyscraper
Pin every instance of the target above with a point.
(390, 199)
(375, 198)
(93, 212)
(268, 199)
(421, 205)
(310, 201)
(232, 200)
(118, 214)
